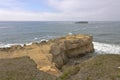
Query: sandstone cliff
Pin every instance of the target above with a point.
(51, 55)
(69, 47)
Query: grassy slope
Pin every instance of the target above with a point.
(22, 68)
(101, 67)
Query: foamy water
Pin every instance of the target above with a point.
(9, 45)
(103, 48)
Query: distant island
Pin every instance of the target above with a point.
(83, 22)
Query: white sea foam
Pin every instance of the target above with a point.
(9, 45)
(106, 48)
(29, 43)
(2, 45)
(35, 38)
(70, 33)
(43, 40)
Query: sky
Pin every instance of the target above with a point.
(59, 10)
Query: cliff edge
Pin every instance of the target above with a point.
(52, 55)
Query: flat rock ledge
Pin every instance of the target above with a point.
(52, 55)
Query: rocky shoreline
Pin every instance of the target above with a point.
(51, 55)
(55, 58)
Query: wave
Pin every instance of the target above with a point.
(42, 40)
(9, 45)
(103, 48)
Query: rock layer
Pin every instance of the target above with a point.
(69, 47)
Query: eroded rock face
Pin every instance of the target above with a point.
(58, 52)
(71, 46)
(53, 54)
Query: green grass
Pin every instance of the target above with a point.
(100, 67)
(69, 71)
(64, 76)
(22, 68)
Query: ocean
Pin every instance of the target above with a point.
(106, 34)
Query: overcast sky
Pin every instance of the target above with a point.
(59, 10)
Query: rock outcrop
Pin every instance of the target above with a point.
(45, 57)
(69, 47)
(51, 55)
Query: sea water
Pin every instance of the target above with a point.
(106, 35)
